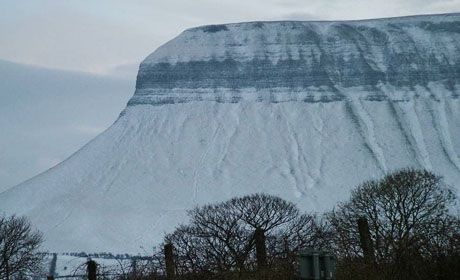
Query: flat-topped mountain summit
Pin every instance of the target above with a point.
(301, 61)
(302, 110)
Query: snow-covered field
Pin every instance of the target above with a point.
(308, 136)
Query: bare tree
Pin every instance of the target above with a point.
(235, 237)
(19, 244)
(403, 210)
(220, 227)
(265, 212)
(262, 214)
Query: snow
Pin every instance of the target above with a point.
(308, 139)
(133, 183)
(300, 61)
(246, 41)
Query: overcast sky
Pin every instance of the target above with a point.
(110, 36)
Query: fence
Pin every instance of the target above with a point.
(124, 268)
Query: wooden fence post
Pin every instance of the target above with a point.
(134, 267)
(368, 248)
(169, 260)
(52, 270)
(92, 268)
(261, 252)
(366, 241)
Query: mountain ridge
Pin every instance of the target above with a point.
(300, 61)
(216, 131)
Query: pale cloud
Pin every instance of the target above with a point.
(88, 129)
(125, 71)
(301, 16)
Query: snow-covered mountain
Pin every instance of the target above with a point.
(47, 114)
(302, 110)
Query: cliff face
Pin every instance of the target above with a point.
(302, 110)
(301, 61)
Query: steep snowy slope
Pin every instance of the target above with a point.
(302, 110)
(47, 114)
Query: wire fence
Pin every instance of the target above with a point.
(106, 269)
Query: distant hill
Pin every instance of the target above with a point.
(47, 114)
